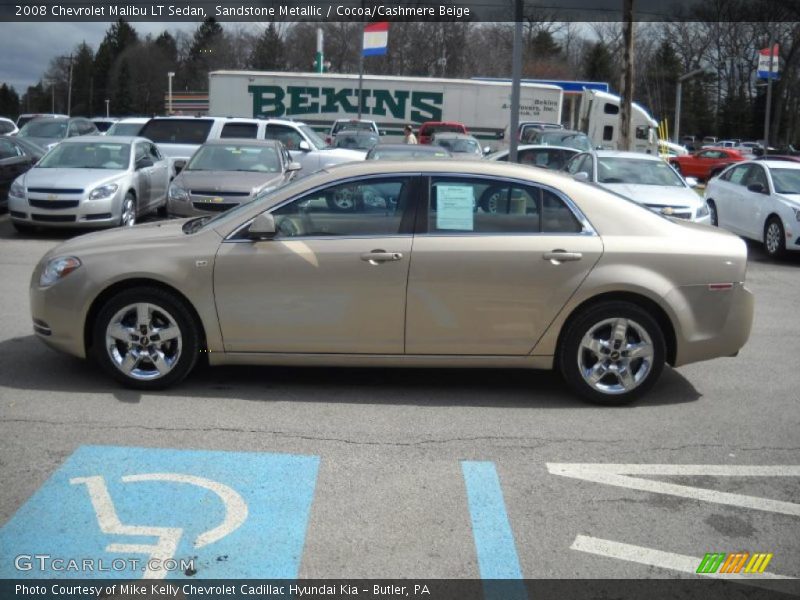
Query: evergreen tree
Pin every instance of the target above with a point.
(597, 64)
(9, 101)
(118, 38)
(269, 53)
(203, 55)
(83, 81)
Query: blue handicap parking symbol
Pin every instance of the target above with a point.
(116, 512)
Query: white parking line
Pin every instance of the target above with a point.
(620, 475)
(657, 558)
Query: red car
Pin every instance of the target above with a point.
(430, 128)
(706, 163)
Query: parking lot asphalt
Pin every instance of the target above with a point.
(426, 473)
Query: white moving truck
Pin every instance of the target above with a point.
(392, 102)
(600, 119)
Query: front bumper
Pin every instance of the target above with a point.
(196, 208)
(57, 313)
(76, 212)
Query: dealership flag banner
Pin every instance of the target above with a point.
(376, 37)
(763, 63)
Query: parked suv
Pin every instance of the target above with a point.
(49, 131)
(180, 137)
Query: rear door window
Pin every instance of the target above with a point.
(239, 130)
(177, 131)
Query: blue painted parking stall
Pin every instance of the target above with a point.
(121, 512)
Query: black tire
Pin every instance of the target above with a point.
(574, 359)
(161, 211)
(774, 238)
(23, 228)
(124, 219)
(491, 199)
(712, 213)
(168, 309)
(341, 202)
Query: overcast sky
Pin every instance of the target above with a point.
(26, 48)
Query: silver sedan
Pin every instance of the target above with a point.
(91, 181)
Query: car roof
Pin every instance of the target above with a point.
(243, 142)
(134, 120)
(446, 135)
(780, 164)
(430, 148)
(120, 139)
(623, 154)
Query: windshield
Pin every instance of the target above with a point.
(264, 199)
(579, 141)
(313, 136)
(356, 140)
(235, 158)
(636, 171)
(434, 129)
(459, 145)
(353, 126)
(403, 154)
(125, 129)
(87, 155)
(45, 129)
(787, 181)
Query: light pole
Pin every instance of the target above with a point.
(71, 59)
(170, 75)
(678, 94)
(768, 108)
(107, 103)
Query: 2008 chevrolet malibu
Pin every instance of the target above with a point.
(559, 275)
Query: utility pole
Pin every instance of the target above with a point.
(678, 96)
(627, 77)
(768, 109)
(516, 76)
(70, 58)
(170, 75)
(107, 108)
(319, 65)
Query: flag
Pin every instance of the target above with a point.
(763, 63)
(376, 36)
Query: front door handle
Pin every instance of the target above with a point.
(377, 257)
(559, 256)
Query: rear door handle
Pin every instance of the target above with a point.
(381, 256)
(559, 256)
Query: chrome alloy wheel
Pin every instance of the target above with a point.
(773, 237)
(143, 341)
(615, 356)
(128, 218)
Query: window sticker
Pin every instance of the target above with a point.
(455, 205)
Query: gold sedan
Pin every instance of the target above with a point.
(413, 272)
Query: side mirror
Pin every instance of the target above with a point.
(304, 146)
(692, 181)
(144, 163)
(757, 188)
(262, 227)
(294, 166)
(487, 150)
(179, 165)
(581, 176)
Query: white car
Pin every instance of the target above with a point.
(128, 126)
(351, 125)
(759, 200)
(643, 178)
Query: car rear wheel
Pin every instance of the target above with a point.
(127, 216)
(146, 339)
(612, 353)
(774, 238)
(712, 213)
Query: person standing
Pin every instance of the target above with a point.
(409, 137)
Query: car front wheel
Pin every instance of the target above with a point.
(146, 338)
(127, 216)
(612, 353)
(712, 213)
(774, 238)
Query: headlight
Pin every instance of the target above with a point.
(104, 191)
(702, 211)
(17, 190)
(176, 192)
(57, 269)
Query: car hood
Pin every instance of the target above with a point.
(227, 181)
(121, 239)
(70, 178)
(793, 199)
(345, 153)
(655, 194)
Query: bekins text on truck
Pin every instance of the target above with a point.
(320, 99)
